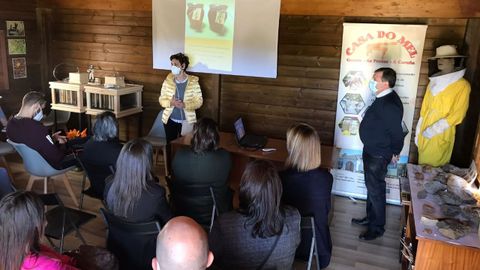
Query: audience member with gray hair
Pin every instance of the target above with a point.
(182, 244)
(101, 152)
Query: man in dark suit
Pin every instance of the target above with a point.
(382, 136)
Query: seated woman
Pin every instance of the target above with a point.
(134, 196)
(308, 188)
(262, 234)
(22, 223)
(197, 169)
(132, 193)
(100, 153)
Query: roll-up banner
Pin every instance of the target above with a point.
(365, 48)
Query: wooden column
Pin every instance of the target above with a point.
(465, 135)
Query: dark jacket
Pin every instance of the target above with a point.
(36, 136)
(234, 247)
(98, 158)
(381, 128)
(310, 193)
(193, 175)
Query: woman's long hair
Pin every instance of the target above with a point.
(304, 148)
(21, 227)
(260, 198)
(205, 136)
(134, 166)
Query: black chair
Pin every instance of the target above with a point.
(6, 185)
(95, 174)
(199, 203)
(133, 244)
(307, 226)
(62, 220)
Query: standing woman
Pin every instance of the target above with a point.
(180, 96)
(308, 188)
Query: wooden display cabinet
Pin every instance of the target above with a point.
(122, 101)
(68, 97)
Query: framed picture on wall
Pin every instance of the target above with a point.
(19, 68)
(17, 46)
(15, 29)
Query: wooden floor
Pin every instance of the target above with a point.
(348, 251)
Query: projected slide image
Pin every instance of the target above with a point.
(209, 33)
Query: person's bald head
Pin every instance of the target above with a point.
(182, 244)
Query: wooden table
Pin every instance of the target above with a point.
(241, 156)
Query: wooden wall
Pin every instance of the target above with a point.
(373, 8)
(20, 10)
(308, 70)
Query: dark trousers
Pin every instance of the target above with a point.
(172, 130)
(375, 170)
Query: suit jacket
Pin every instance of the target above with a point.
(234, 247)
(310, 193)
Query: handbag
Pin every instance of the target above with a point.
(95, 258)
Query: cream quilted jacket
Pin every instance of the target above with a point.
(192, 98)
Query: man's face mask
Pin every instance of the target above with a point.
(372, 85)
(38, 116)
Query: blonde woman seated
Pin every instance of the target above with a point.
(308, 187)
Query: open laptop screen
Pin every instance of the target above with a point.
(239, 128)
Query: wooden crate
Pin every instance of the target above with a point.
(68, 97)
(122, 102)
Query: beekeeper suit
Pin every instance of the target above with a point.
(444, 106)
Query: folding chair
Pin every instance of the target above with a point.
(184, 201)
(62, 220)
(307, 224)
(132, 243)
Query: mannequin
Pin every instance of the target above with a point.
(444, 106)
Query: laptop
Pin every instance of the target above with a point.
(248, 140)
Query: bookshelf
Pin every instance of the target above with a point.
(123, 101)
(68, 97)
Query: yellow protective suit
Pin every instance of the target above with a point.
(442, 109)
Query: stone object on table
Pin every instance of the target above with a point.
(461, 188)
(434, 187)
(427, 169)
(452, 228)
(450, 198)
(450, 211)
(472, 214)
(427, 209)
(419, 176)
(428, 221)
(441, 177)
(437, 199)
(422, 194)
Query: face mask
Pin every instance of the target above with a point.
(38, 116)
(176, 70)
(372, 85)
